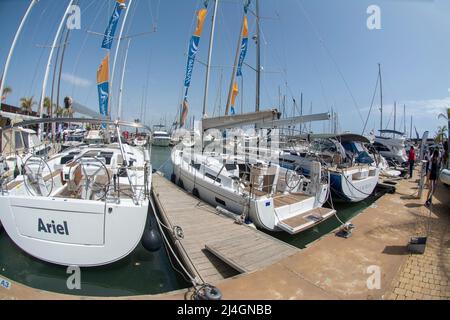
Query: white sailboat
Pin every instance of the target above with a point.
(353, 173)
(271, 197)
(391, 145)
(86, 206)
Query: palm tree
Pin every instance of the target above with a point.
(441, 134)
(68, 112)
(59, 112)
(442, 116)
(26, 104)
(6, 91)
(48, 105)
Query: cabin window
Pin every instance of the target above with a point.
(230, 166)
(287, 160)
(213, 177)
(220, 201)
(196, 166)
(18, 140)
(25, 140)
(66, 159)
(35, 140)
(43, 151)
(380, 147)
(107, 156)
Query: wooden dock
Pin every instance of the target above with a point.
(214, 247)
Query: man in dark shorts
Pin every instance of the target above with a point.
(432, 176)
(411, 161)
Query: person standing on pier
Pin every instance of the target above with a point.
(411, 160)
(432, 176)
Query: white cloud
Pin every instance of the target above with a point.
(425, 114)
(76, 81)
(431, 107)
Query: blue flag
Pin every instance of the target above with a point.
(111, 29)
(193, 49)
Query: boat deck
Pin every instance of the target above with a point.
(288, 199)
(213, 246)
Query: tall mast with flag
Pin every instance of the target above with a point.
(239, 61)
(192, 53)
(103, 70)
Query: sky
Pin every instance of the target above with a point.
(322, 49)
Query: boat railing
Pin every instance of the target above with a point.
(132, 189)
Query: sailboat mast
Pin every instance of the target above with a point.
(258, 58)
(235, 65)
(119, 109)
(13, 45)
(49, 63)
(404, 119)
(310, 112)
(381, 96)
(410, 131)
(208, 64)
(115, 55)
(395, 115)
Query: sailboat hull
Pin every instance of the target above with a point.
(265, 211)
(71, 231)
(345, 189)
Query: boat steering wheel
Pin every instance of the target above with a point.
(294, 177)
(34, 171)
(95, 173)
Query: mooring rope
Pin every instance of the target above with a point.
(192, 279)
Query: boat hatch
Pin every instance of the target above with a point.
(59, 221)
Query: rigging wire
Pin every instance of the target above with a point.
(328, 52)
(371, 105)
(390, 118)
(36, 28)
(33, 87)
(121, 54)
(83, 45)
(147, 80)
